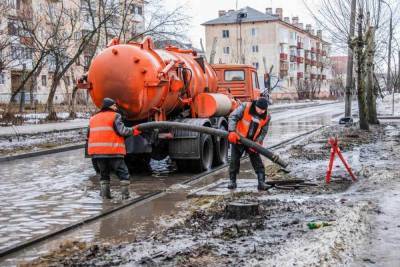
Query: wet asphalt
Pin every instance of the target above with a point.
(46, 193)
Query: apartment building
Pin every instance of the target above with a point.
(298, 55)
(18, 55)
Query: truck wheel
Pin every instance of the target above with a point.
(206, 155)
(221, 147)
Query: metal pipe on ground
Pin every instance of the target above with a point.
(168, 125)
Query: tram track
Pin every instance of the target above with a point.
(155, 194)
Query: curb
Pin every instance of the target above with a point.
(388, 117)
(42, 152)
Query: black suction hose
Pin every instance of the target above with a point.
(211, 131)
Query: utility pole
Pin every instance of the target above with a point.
(349, 78)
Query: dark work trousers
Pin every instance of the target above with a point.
(237, 152)
(116, 165)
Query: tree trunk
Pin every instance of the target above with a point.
(72, 113)
(362, 107)
(52, 115)
(371, 97)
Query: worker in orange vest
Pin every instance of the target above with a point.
(106, 145)
(249, 120)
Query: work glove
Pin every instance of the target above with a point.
(233, 137)
(136, 131)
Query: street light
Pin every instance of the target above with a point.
(390, 51)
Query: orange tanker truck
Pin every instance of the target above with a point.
(170, 85)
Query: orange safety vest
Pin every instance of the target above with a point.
(243, 125)
(103, 139)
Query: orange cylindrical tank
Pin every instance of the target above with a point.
(144, 81)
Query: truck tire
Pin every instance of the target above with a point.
(206, 157)
(221, 147)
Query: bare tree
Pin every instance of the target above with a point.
(162, 22)
(359, 45)
(370, 83)
(65, 50)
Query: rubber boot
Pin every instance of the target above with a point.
(124, 187)
(105, 192)
(232, 183)
(261, 182)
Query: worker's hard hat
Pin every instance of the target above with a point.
(108, 102)
(262, 103)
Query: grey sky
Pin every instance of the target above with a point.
(204, 10)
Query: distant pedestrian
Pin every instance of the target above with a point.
(249, 120)
(106, 145)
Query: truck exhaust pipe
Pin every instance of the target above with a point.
(167, 125)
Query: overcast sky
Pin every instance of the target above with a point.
(204, 10)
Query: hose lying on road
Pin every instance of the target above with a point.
(211, 131)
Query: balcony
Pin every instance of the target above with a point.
(292, 58)
(320, 64)
(299, 75)
(313, 76)
(313, 63)
(300, 60)
(300, 45)
(318, 51)
(312, 49)
(308, 61)
(283, 56)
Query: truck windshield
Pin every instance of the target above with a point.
(234, 75)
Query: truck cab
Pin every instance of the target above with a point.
(241, 81)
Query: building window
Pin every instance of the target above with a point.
(225, 33)
(226, 50)
(253, 32)
(44, 80)
(86, 61)
(2, 78)
(28, 53)
(234, 75)
(139, 10)
(255, 48)
(12, 28)
(134, 9)
(255, 65)
(14, 52)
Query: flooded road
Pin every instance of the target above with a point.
(46, 193)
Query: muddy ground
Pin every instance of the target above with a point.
(279, 235)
